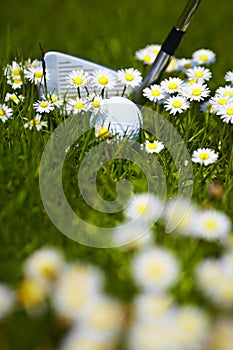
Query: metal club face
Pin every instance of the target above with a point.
(59, 65)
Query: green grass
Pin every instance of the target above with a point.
(108, 33)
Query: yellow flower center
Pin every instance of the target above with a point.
(17, 81)
(16, 71)
(2, 113)
(44, 104)
(78, 80)
(228, 93)
(142, 208)
(176, 104)
(103, 132)
(155, 51)
(155, 92)
(79, 105)
(152, 145)
(192, 81)
(187, 65)
(222, 101)
(96, 104)
(49, 271)
(198, 74)
(30, 293)
(196, 92)
(146, 58)
(230, 111)
(172, 86)
(211, 224)
(203, 58)
(172, 63)
(204, 156)
(155, 270)
(38, 75)
(53, 98)
(129, 77)
(103, 80)
(34, 122)
(14, 98)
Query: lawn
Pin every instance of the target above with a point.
(115, 298)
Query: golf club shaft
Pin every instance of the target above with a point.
(167, 50)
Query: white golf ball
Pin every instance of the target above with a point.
(120, 116)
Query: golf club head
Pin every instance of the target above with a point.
(59, 65)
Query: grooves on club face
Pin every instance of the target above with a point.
(59, 65)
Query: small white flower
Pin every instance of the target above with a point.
(78, 78)
(153, 49)
(204, 56)
(196, 91)
(154, 93)
(218, 101)
(212, 224)
(56, 100)
(13, 97)
(172, 85)
(146, 55)
(207, 107)
(35, 74)
(153, 147)
(144, 207)
(176, 104)
(5, 112)
(172, 66)
(129, 77)
(185, 63)
(15, 82)
(43, 106)
(226, 112)
(35, 123)
(155, 269)
(103, 79)
(225, 91)
(95, 103)
(13, 70)
(77, 105)
(199, 73)
(204, 156)
(7, 300)
(229, 77)
(44, 265)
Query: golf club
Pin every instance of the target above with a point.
(59, 65)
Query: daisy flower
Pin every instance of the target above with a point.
(185, 63)
(207, 107)
(155, 269)
(95, 103)
(13, 97)
(176, 104)
(212, 224)
(15, 81)
(225, 91)
(204, 156)
(5, 112)
(154, 93)
(7, 300)
(172, 85)
(103, 79)
(129, 77)
(31, 293)
(196, 92)
(44, 265)
(229, 77)
(204, 56)
(146, 56)
(32, 63)
(199, 73)
(13, 70)
(77, 105)
(35, 123)
(226, 112)
(56, 100)
(173, 65)
(132, 236)
(153, 48)
(153, 147)
(78, 78)
(144, 206)
(218, 101)
(35, 74)
(43, 106)
(76, 288)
